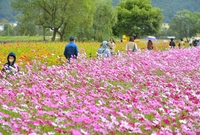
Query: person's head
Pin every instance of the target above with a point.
(112, 40)
(132, 39)
(150, 41)
(172, 39)
(11, 58)
(181, 39)
(71, 39)
(104, 44)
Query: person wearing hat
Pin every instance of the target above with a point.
(71, 50)
(11, 66)
(103, 51)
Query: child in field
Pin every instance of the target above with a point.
(11, 66)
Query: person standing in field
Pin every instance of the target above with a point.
(11, 67)
(172, 44)
(191, 42)
(112, 46)
(181, 44)
(131, 46)
(150, 45)
(71, 50)
(103, 51)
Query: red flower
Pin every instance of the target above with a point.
(166, 121)
(132, 124)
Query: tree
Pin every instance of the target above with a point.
(25, 26)
(138, 18)
(105, 18)
(8, 29)
(185, 24)
(61, 16)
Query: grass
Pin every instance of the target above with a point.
(23, 38)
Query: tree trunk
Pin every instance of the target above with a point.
(54, 34)
(44, 33)
(62, 32)
(61, 37)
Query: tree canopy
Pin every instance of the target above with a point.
(185, 24)
(171, 7)
(61, 16)
(138, 18)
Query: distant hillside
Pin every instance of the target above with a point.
(170, 7)
(6, 12)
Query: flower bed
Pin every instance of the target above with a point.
(151, 92)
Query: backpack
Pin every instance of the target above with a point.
(172, 43)
(134, 48)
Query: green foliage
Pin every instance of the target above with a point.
(185, 24)
(171, 7)
(138, 18)
(8, 29)
(59, 15)
(105, 17)
(25, 26)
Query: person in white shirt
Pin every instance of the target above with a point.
(191, 42)
(131, 46)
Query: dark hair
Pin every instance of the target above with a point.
(71, 38)
(112, 40)
(181, 39)
(150, 41)
(132, 38)
(172, 39)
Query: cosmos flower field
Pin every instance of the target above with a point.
(149, 92)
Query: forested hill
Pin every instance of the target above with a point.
(170, 7)
(6, 11)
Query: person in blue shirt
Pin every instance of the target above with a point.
(71, 50)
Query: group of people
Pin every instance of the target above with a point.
(181, 44)
(194, 42)
(172, 44)
(106, 50)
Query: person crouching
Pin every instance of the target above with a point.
(11, 66)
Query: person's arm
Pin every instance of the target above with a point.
(65, 52)
(136, 47)
(4, 67)
(127, 47)
(76, 51)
